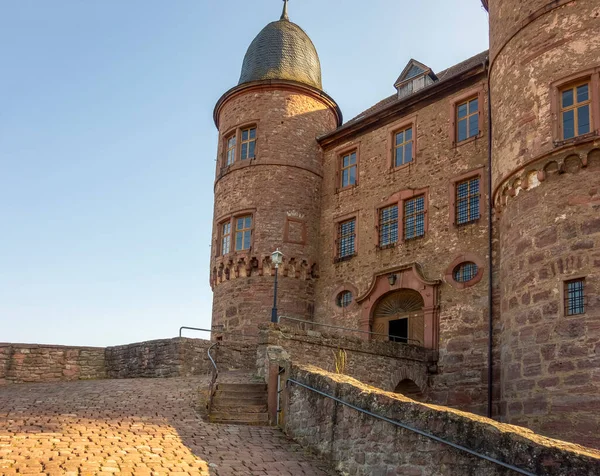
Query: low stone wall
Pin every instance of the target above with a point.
(378, 363)
(360, 444)
(48, 363)
(179, 357)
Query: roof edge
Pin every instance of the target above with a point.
(428, 92)
(486, 4)
(278, 84)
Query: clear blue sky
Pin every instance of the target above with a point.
(107, 144)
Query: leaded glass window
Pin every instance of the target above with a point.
(467, 201)
(414, 218)
(388, 226)
(465, 272)
(346, 239)
(344, 299)
(230, 155)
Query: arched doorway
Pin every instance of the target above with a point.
(398, 317)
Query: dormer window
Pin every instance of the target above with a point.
(415, 77)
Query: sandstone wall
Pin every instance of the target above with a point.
(280, 187)
(381, 364)
(546, 196)
(179, 357)
(46, 363)
(359, 444)
(462, 313)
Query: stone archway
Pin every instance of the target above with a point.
(407, 278)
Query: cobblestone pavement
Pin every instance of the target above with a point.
(141, 427)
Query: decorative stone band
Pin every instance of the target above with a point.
(568, 159)
(242, 266)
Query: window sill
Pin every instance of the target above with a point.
(346, 189)
(467, 223)
(387, 247)
(468, 141)
(576, 140)
(344, 258)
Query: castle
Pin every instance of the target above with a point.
(459, 215)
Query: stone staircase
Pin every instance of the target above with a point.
(240, 404)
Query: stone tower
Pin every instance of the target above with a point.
(545, 101)
(268, 180)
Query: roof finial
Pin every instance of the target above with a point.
(284, 15)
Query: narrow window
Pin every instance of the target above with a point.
(403, 147)
(230, 154)
(467, 119)
(248, 143)
(465, 272)
(574, 297)
(346, 239)
(243, 233)
(575, 110)
(348, 170)
(388, 226)
(467, 201)
(414, 218)
(225, 238)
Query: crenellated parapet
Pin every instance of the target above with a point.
(228, 269)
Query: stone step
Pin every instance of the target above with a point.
(242, 387)
(239, 418)
(219, 407)
(241, 399)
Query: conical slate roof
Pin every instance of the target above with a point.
(282, 50)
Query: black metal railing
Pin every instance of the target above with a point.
(394, 338)
(213, 380)
(192, 329)
(414, 430)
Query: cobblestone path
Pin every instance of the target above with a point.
(141, 427)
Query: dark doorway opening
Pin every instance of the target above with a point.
(399, 330)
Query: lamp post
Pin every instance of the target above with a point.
(276, 259)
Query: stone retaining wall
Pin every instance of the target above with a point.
(360, 444)
(379, 363)
(179, 357)
(47, 363)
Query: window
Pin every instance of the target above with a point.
(467, 119)
(243, 233)
(414, 218)
(346, 239)
(465, 272)
(248, 144)
(348, 169)
(388, 226)
(344, 299)
(403, 147)
(230, 154)
(225, 238)
(575, 110)
(467, 201)
(574, 297)
(240, 145)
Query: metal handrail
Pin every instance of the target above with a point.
(192, 329)
(352, 330)
(415, 430)
(213, 380)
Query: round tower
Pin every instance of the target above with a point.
(545, 101)
(268, 180)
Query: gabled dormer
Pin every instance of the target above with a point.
(414, 77)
